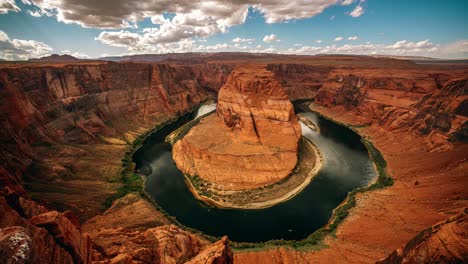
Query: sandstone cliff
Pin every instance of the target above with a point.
(250, 142)
(71, 124)
(30, 233)
(427, 104)
(445, 242)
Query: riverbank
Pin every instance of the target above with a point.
(129, 180)
(309, 123)
(374, 223)
(310, 161)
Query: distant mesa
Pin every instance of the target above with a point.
(251, 142)
(56, 58)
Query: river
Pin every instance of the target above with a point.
(346, 166)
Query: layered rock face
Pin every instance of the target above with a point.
(428, 104)
(250, 142)
(30, 233)
(445, 242)
(71, 124)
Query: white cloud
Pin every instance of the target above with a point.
(458, 49)
(271, 38)
(185, 19)
(107, 14)
(190, 18)
(7, 6)
(285, 10)
(242, 40)
(338, 39)
(77, 54)
(20, 49)
(347, 2)
(358, 11)
(180, 27)
(318, 41)
(353, 38)
(123, 38)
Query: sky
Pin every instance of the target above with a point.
(98, 28)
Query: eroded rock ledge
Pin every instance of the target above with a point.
(251, 142)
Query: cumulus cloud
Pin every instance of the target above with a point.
(318, 41)
(353, 38)
(174, 20)
(77, 54)
(187, 18)
(7, 6)
(20, 49)
(347, 2)
(401, 48)
(284, 10)
(179, 27)
(113, 13)
(271, 38)
(459, 48)
(358, 11)
(242, 40)
(120, 38)
(338, 39)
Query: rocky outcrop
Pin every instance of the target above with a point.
(212, 76)
(131, 212)
(251, 141)
(216, 253)
(70, 125)
(348, 91)
(300, 81)
(422, 105)
(53, 237)
(23, 242)
(445, 242)
(66, 234)
(55, 119)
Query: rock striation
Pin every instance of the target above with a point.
(444, 242)
(56, 118)
(65, 129)
(252, 140)
(434, 110)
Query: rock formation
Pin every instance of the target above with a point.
(57, 118)
(251, 141)
(65, 129)
(435, 110)
(445, 242)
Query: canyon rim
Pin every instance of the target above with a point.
(242, 132)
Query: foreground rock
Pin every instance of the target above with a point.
(252, 140)
(23, 242)
(144, 235)
(445, 242)
(66, 233)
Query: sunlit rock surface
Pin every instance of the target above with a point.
(251, 141)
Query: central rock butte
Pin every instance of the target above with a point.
(252, 140)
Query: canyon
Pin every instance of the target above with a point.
(67, 126)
